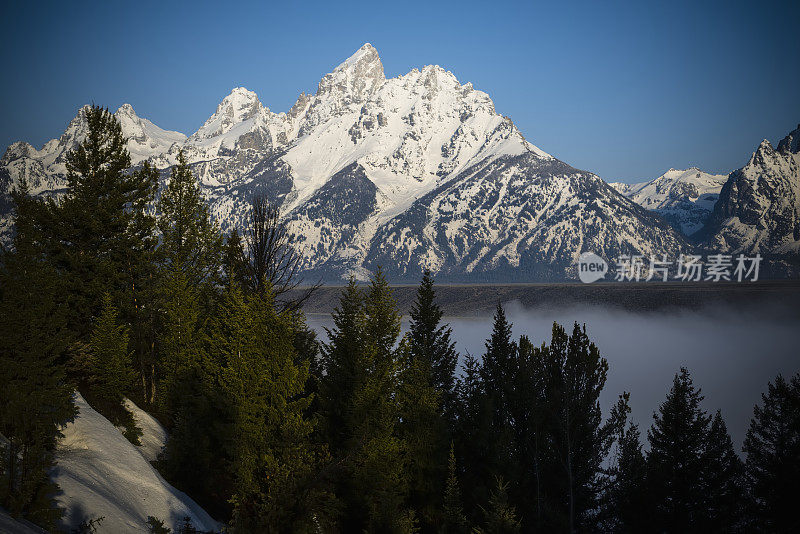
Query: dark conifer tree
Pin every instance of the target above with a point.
(427, 389)
(35, 395)
(772, 446)
(234, 262)
(190, 258)
(625, 504)
(344, 372)
(379, 468)
(430, 341)
(500, 515)
(723, 480)
(273, 461)
(529, 422)
(498, 374)
(455, 522)
(191, 241)
(423, 430)
(474, 440)
(360, 407)
(499, 361)
(110, 373)
(676, 460)
(99, 232)
(575, 375)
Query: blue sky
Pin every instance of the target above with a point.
(623, 89)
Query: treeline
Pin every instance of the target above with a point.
(271, 430)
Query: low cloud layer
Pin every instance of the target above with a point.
(732, 354)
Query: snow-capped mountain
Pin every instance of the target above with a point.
(685, 198)
(412, 172)
(759, 206)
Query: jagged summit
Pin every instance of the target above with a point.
(791, 143)
(759, 208)
(367, 54)
(411, 172)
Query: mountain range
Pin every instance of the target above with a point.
(420, 172)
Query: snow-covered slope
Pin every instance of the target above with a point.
(153, 437)
(685, 198)
(9, 525)
(358, 162)
(101, 473)
(523, 217)
(145, 139)
(759, 206)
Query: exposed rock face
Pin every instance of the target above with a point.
(413, 172)
(759, 206)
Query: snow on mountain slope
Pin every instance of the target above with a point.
(9, 525)
(45, 169)
(759, 206)
(101, 473)
(685, 198)
(375, 148)
(153, 437)
(145, 139)
(524, 216)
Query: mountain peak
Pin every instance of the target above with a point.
(126, 110)
(791, 143)
(359, 76)
(240, 105)
(239, 97)
(366, 54)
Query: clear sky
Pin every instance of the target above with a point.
(624, 89)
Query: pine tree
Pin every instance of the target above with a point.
(423, 430)
(430, 341)
(575, 375)
(344, 371)
(234, 262)
(139, 303)
(474, 439)
(190, 259)
(676, 459)
(110, 373)
(35, 396)
(191, 241)
(110, 365)
(723, 478)
(99, 232)
(274, 462)
(379, 469)
(501, 517)
(181, 334)
(498, 371)
(499, 361)
(427, 385)
(772, 446)
(455, 522)
(360, 409)
(625, 505)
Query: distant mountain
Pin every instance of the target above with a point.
(414, 172)
(685, 198)
(759, 206)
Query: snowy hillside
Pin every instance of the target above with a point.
(759, 206)
(685, 198)
(417, 171)
(101, 473)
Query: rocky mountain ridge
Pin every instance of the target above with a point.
(413, 172)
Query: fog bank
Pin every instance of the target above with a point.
(731, 354)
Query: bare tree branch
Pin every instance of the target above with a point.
(273, 263)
